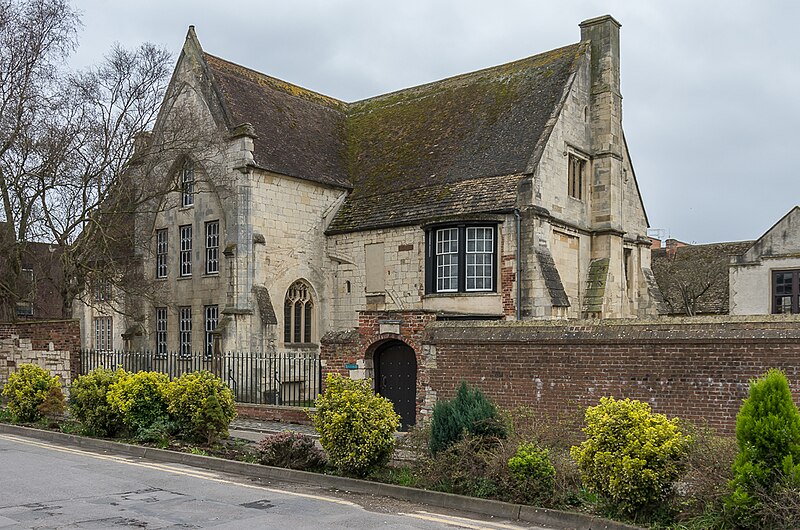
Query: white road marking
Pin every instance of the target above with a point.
(203, 475)
(462, 522)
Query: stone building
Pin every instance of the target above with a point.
(312, 224)
(765, 278)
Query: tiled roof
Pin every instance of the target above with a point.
(431, 144)
(694, 267)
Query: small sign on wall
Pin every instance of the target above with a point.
(389, 326)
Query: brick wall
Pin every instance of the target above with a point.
(53, 345)
(695, 369)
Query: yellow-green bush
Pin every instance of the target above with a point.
(140, 400)
(631, 456)
(534, 473)
(201, 405)
(356, 426)
(88, 402)
(30, 391)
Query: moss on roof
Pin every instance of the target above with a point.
(476, 125)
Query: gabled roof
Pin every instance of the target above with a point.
(694, 266)
(782, 239)
(427, 143)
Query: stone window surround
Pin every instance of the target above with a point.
(185, 262)
(299, 303)
(185, 330)
(211, 319)
(162, 323)
(103, 333)
(577, 162)
(162, 250)
(212, 247)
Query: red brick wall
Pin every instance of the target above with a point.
(698, 370)
(339, 349)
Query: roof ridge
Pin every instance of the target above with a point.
(463, 76)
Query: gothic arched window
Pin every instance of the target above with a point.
(298, 314)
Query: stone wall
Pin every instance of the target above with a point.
(697, 369)
(53, 345)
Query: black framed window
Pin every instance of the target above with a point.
(786, 291)
(161, 331)
(212, 317)
(185, 330)
(461, 258)
(212, 247)
(162, 247)
(186, 250)
(187, 185)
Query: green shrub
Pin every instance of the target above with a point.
(140, 400)
(28, 389)
(469, 413)
(88, 402)
(768, 462)
(54, 404)
(201, 405)
(631, 456)
(533, 471)
(289, 449)
(356, 426)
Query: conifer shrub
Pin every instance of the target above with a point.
(356, 426)
(28, 389)
(289, 449)
(768, 463)
(470, 412)
(140, 400)
(201, 405)
(631, 456)
(88, 402)
(533, 472)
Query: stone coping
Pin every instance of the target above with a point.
(545, 517)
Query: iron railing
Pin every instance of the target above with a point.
(285, 378)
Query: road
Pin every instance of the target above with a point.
(48, 486)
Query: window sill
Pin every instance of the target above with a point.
(180, 278)
(460, 294)
(301, 345)
(184, 208)
(211, 275)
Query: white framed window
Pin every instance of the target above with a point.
(186, 250)
(162, 248)
(187, 185)
(185, 328)
(298, 314)
(447, 260)
(103, 333)
(461, 259)
(212, 247)
(161, 331)
(211, 320)
(480, 258)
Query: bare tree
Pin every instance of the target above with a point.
(68, 147)
(694, 278)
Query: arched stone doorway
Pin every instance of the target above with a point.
(395, 366)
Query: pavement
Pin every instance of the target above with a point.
(255, 430)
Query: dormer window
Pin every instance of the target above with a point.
(187, 185)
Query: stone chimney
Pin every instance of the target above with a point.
(605, 111)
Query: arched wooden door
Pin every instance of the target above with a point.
(396, 379)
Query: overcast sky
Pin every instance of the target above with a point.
(711, 89)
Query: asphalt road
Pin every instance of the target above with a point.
(49, 486)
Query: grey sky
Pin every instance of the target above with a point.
(711, 108)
